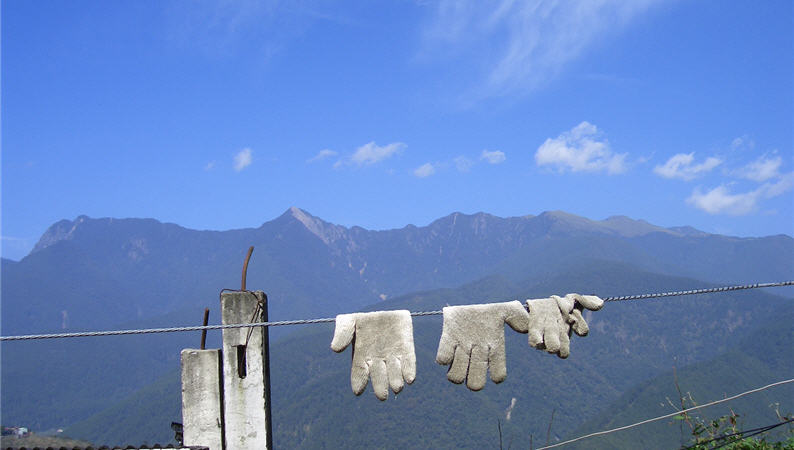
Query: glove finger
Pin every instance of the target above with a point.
(535, 325)
(478, 368)
(407, 356)
(591, 302)
(579, 324)
(497, 363)
(460, 365)
(566, 303)
(343, 332)
(395, 373)
(565, 345)
(446, 350)
(359, 375)
(408, 363)
(536, 338)
(380, 381)
(552, 341)
(517, 316)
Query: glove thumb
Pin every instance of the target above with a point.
(516, 316)
(344, 331)
(591, 302)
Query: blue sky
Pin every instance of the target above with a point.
(220, 115)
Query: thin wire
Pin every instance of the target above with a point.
(332, 319)
(742, 435)
(666, 416)
(769, 428)
(162, 330)
(699, 291)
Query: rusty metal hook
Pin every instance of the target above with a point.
(245, 267)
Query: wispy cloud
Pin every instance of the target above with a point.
(371, 153)
(493, 157)
(742, 143)
(321, 155)
(764, 173)
(781, 186)
(682, 166)
(721, 200)
(762, 169)
(523, 44)
(425, 170)
(462, 163)
(222, 29)
(582, 149)
(210, 165)
(243, 159)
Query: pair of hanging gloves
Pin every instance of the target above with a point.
(472, 340)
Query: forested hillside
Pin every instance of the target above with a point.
(630, 343)
(135, 273)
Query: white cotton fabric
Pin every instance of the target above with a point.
(473, 341)
(551, 321)
(383, 349)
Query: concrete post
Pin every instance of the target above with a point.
(243, 373)
(202, 398)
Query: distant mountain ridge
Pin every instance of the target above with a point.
(310, 266)
(330, 233)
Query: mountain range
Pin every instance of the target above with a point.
(97, 273)
(110, 273)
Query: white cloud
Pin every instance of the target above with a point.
(242, 159)
(762, 169)
(721, 201)
(210, 165)
(224, 29)
(462, 163)
(681, 166)
(425, 170)
(372, 153)
(323, 154)
(494, 157)
(582, 149)
(523, 44)
(743, 143)
(783, 185)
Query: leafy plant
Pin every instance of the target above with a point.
(724, 431)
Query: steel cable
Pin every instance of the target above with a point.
(332, 319)
(667, 416)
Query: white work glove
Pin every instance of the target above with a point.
(383, 349)
(551, 321)
(571, 307)
(473, 338)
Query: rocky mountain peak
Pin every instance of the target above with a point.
(63, 230)
(327, 232)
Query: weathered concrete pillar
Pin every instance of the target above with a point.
(202, 398)
(243, 373)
